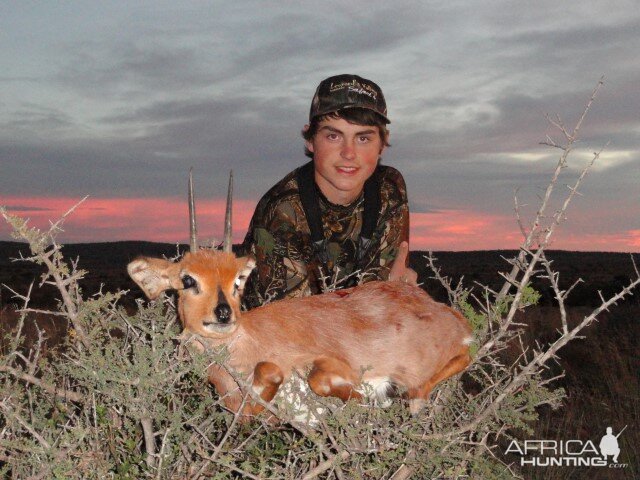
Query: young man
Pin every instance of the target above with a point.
(340, 219)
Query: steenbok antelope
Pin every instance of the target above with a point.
(385, 333)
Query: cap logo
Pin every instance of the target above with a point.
(364, 91)
(356, 87)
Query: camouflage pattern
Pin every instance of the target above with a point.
(347, 91)
(280, 240)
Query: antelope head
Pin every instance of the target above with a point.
(209, 282)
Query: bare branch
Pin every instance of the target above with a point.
(58, 392)
(533, 231)
(326, 465)
(9, 412)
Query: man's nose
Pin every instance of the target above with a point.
(348, 150)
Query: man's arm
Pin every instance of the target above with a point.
(393, 228)
(276, 244)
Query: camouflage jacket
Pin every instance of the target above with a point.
(280, 240)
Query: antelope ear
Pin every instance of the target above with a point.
(245, 267)
(154, 275)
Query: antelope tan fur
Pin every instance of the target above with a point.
(383, 333)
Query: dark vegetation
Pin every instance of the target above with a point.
(106, 263)
(602, 371)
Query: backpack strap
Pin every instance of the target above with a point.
(370, 216)
(309, 198)
(310, 203)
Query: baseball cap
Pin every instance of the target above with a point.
(347, 91)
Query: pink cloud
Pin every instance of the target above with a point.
(112, 219)
(166, 220)
(462, 230)
(628, 241)
(470, 230)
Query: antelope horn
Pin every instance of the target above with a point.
(226, 246)
(193, 229)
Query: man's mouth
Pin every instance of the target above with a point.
(347, 170)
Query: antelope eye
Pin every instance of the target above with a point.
(188, 281)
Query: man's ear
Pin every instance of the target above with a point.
(245, 267)
(154, 275)
(385, 143)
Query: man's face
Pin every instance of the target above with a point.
(345, 155)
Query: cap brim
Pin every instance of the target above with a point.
(344, 107)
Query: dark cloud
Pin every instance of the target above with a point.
(422, 205)
(577, 40)
(130, 70)
(25, 208)
(156, 144)
(468, 86)
(31, 119)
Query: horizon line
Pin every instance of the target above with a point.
(236, 245)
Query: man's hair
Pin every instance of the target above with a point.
(357, 116)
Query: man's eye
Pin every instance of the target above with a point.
(332, 136)
(188, 281)
(364, 139)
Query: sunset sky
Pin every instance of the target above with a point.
(117, 100)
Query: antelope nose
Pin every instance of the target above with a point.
(223, 312)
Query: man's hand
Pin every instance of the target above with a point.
(399, 270)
